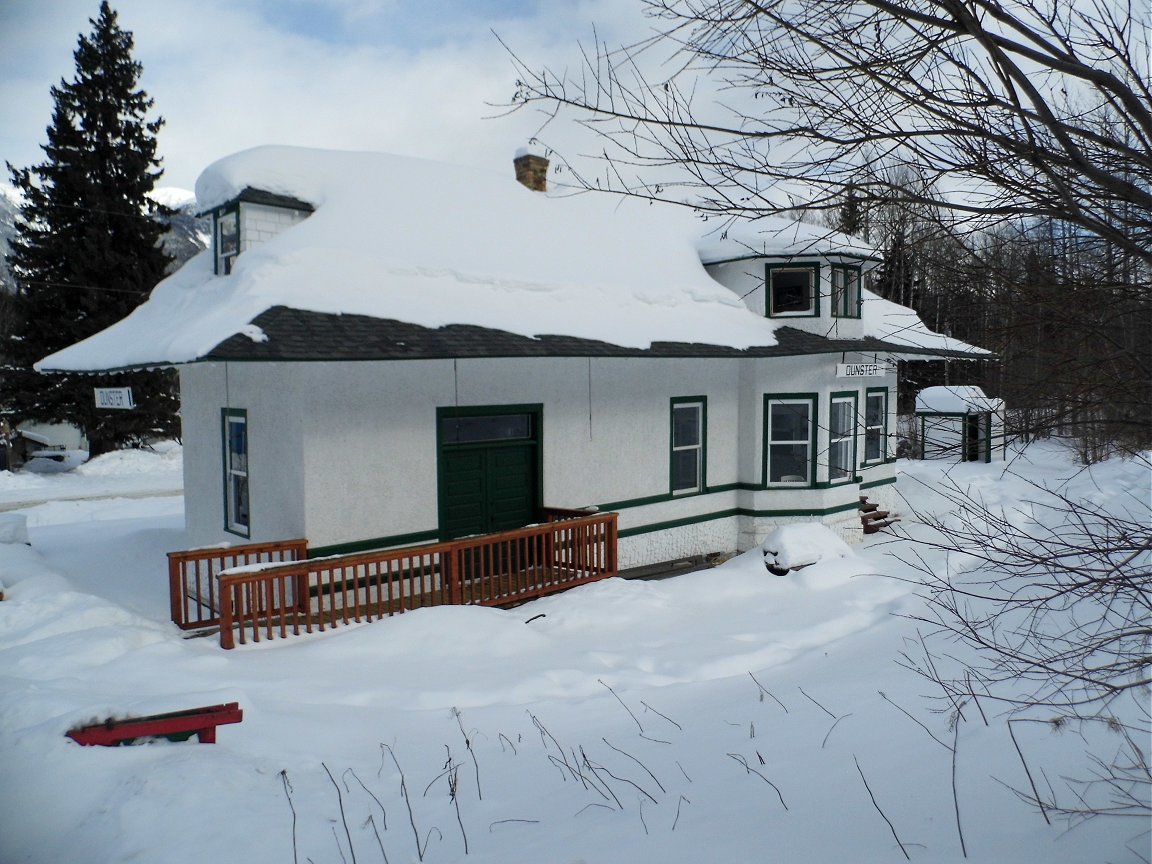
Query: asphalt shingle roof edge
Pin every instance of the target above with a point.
(295, 335)
(300, 336)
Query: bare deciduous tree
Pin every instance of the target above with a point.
(1014, 117)
(1033, 108)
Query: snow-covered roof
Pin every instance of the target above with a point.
(776, 237)
(902, 326)
(964, 399)
(433, 245)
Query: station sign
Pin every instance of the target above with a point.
(862, 370)
(115, 398)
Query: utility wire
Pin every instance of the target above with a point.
(21, 282)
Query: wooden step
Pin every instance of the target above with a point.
(877, 525)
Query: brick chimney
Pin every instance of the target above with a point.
(531, 169)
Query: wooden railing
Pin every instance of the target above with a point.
(265, 601)
(192, 576)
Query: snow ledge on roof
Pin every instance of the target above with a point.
(435, 244)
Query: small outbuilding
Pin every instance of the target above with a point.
(960, 423)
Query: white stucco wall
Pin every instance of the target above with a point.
(605, 433)
(342, 453)
(275, 441)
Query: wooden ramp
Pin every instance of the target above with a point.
(287, 594)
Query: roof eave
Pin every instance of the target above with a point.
(251, 195)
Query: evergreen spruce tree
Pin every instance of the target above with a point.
(87, 249)
(851, 218)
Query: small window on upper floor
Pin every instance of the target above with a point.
(227, 239)
(845, 292)
(793, 290)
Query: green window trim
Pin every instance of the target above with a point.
(876, 431)
(842, 433)
(534, 439)
(796, 449)
(225, 248)
(688, 445)
(781, 290)
(235, 453)
(846, 293)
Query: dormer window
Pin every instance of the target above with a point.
(227, 239)
(250, 219)
(792, 290)
(845, 292)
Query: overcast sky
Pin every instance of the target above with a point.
(416, 77)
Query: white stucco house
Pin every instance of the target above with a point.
(381, 351)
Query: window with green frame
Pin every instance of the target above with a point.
(842, 437)
(793, 290)
(789, 439)
(236, 503)
(689, 425)
(845, 291)
(227, 238)
(875, 425)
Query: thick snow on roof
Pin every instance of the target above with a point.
(961, 399)
(773, 236)
(435, 244)
(902, 326)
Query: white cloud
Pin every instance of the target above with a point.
(345, 74)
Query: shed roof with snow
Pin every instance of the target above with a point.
(953, 399)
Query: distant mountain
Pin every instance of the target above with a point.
(187, 235)
(9, 204)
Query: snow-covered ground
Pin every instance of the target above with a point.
(721, 716)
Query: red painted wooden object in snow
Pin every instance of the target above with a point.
(177, 726)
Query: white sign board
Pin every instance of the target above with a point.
(861, 370)
(114, 397)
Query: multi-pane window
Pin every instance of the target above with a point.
(227, 239)
(842, 438)
(846, 292)
(687, 452)
(792, 290)
(471, 429)
(790, 427)
(236, 471)
(875, 425)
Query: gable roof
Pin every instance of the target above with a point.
(439, 246)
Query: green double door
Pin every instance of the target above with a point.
(489, 468)
(487, 488)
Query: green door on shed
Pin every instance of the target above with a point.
(488, 473)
